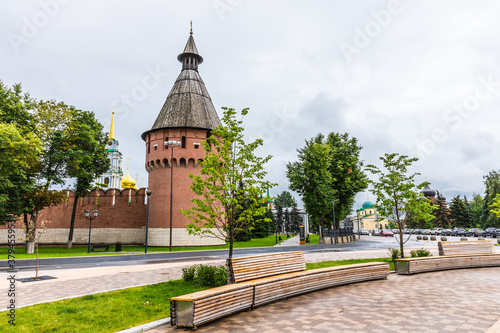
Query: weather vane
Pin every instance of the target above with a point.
(191, 32)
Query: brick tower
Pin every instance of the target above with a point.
(188, 116)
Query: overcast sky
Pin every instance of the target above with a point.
(419, 78)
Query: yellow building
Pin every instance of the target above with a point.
(368, 217)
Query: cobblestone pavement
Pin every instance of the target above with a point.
(466, 300)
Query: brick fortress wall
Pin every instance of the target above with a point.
(121, 218)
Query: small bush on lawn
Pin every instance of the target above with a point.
(394, 253)
(420, 253)
(189, 273)
(207, 276)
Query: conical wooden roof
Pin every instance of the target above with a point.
(188, 104)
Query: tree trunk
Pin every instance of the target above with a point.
(72, 223)
(30, 247)
(30, 232)
(401, 236)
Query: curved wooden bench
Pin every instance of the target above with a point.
(265, 279)
(466, 247)
(428, 264)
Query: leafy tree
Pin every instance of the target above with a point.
(341, 171)
(87, 157)
(476, 209)
(492, 184)
(459, 213)
(398, 197)
(495, 206)
(348, 177)
(311, 178)
(229, 161)
(441, 212)
(286, 219)
(285, 199)
(18, 154)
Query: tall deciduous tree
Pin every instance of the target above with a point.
(398, 196)
(229, 161)
(348, 177)
(476, 206)
(295, 218)
(87, 157)
(343, 174)
(19, 153)
(310, 177)
(492, 184)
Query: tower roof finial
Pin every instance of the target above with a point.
(191, 31)
(112, 129)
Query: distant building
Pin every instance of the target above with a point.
(113, 177)
(369, 218)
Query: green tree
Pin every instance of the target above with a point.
(18, 154)
(441, 212)
(476, 209)
(348, 177)
(87, 157)
(286, 219)
(492, 184)
(229, 161)
(311, 178)
(285, 199)
(279, 220)
(459, 213)
(295, 218)
(398, 197)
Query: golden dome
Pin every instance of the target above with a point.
(129, 182)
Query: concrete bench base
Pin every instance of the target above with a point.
(430, 264)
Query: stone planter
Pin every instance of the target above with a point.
(480, 238)
(463, 239)
(425, 238)
(420, 238)
(444, 239)
(433, 238)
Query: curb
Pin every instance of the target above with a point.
(147, 327)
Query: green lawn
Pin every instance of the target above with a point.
(322, 264)
(116, 310)
(76, 251)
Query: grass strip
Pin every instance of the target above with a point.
(116, 310)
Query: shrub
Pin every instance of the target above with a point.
(420, 253)
(189, 273)
(207, 276)
(394, 253)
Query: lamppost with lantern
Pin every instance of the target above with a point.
(90, 218)
(148, 193)
(171, 144)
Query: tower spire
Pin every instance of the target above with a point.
(191, 31)
(112, 129)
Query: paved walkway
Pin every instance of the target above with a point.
(449, 301)
(468, 297)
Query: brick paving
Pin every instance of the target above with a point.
(465, 300)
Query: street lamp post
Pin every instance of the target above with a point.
(90, 218)
(171, 144)
(148, 193)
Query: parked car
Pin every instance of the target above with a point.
(426, 232)
(446, 232)
(436, 231)
(376, 232)
(489, 232)
(458, 232)
(395, 231)
(364, 232)
(386, 233)
(475, 232)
